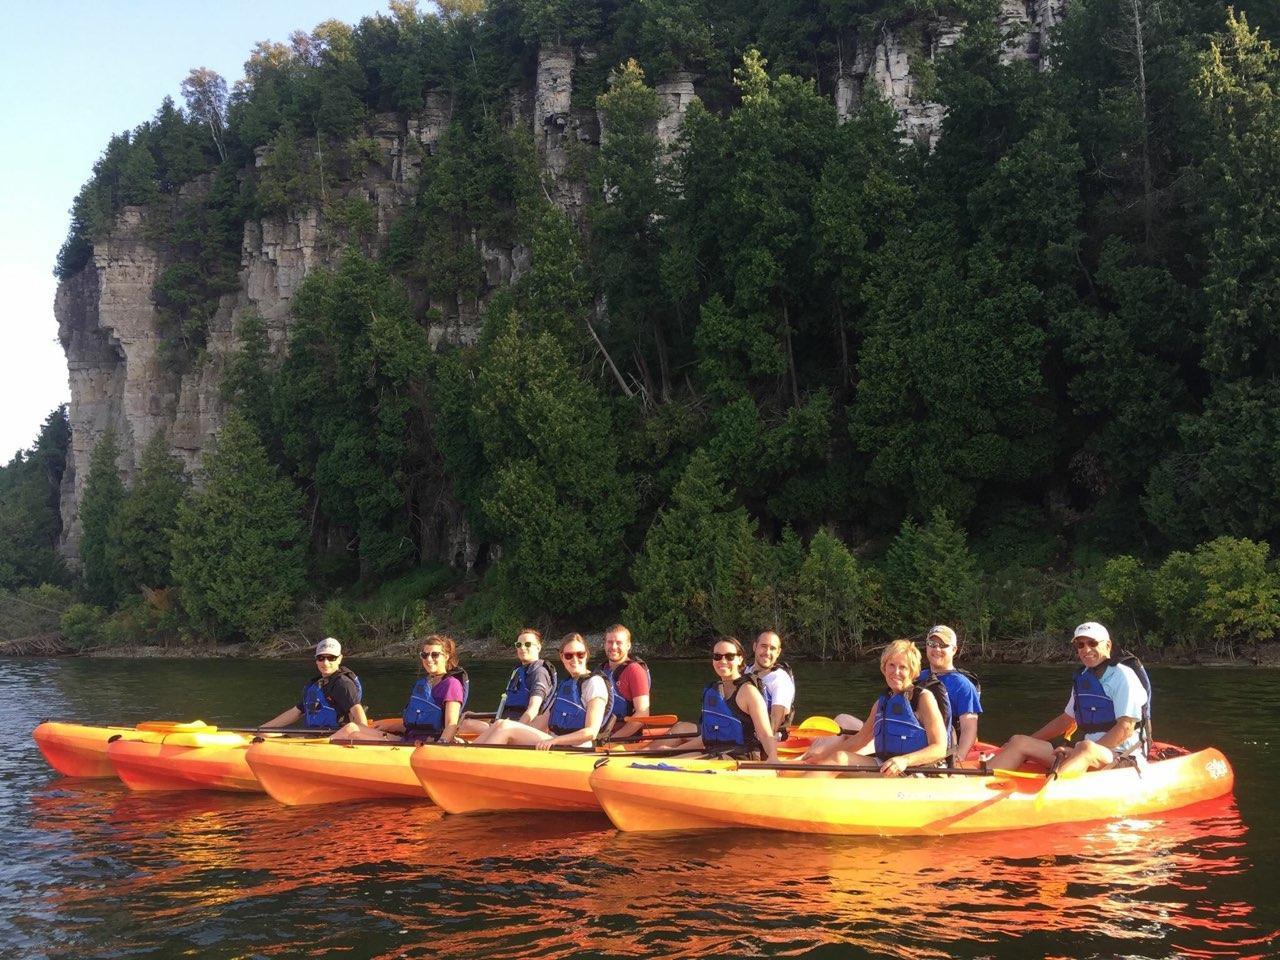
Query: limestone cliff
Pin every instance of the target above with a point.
(110, 328)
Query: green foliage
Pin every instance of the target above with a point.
(675, 573)
(30, 521)
(32, 611)
(100, 507)
(82, 625)
(930, 576)
(558, 500)
(348, 403)
(835, 599)
(238, 548)
(141, 537)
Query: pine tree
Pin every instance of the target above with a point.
(238, 550)
(142, 534)
(99, 511)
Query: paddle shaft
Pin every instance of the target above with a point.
(841, 768)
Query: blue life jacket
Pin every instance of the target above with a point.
(422, 714)
(1095, 712)
(927, 678)
(622, 707)
(318, 710)
(568, 712)
(726, 727)
(518, 689)
(898, 729)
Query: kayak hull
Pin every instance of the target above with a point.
(474, 779)
(184, 762)
(78, 750)
(693, 795)
(302, 773)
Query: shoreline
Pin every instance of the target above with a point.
(498, 652)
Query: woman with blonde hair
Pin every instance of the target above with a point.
(907, 726)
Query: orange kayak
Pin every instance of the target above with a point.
(696, 795)
(184, 761)
(77, 750)
(466, 778)
(297, 773)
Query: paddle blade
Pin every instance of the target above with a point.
(818, 726)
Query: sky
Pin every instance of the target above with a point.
(72, 73)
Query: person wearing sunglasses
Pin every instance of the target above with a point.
(528, 690)
(435, 702)
(581, 707)
(907, 725)
(1107, 706)
(735, 718)
(963, 690)
(331, 698)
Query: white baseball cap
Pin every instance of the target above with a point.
(329, 645)
(1095, 631)
(943, 631)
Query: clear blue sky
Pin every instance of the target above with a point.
(73, 72)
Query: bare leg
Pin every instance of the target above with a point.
(471, 725)
(1086, 756)
(512, 731)
(1019, 750)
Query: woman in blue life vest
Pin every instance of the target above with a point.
(905, 728)
(529, 688)
(435, 702)
(1108, 704)
(330, 698)
(735, 714)
(582, 702)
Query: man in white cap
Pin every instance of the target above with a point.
(1106, 707)
(963, 693)
(331, 698)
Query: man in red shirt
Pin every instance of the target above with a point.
(630, 677)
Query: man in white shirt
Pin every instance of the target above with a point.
(779, 682)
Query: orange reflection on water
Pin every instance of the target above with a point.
(394, 879)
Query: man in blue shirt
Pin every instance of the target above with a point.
(966, 701)
(1106, 704)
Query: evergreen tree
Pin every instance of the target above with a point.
(30, 521)
(834, 597)
(930, 576)
(142, 532)
(238, 549)
(99, 520)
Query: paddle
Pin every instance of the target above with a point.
(841, 768)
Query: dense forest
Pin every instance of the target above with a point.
(792, 372)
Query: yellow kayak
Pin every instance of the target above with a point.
(647, 795)
(209, 760)
(78, 750)
(298, 773)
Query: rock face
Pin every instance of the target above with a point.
(110, 329)
(897, 60)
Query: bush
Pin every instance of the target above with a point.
(82, 625)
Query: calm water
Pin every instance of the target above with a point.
(92, 870)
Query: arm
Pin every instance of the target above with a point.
(1118, 734)
(358, 715)
(777, 714)
(595, 717)
(931, 720)
(1056, 727)
(754, 708)
(968, 735)
(533, 709)
(286, 719)
(452, 713)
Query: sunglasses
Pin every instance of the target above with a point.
(326, 657)
(731, 655)
(937, 645)
(433, 655)
(526, 644)
(1086, 642)
(574, 655)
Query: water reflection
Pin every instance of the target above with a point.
(95, 870)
